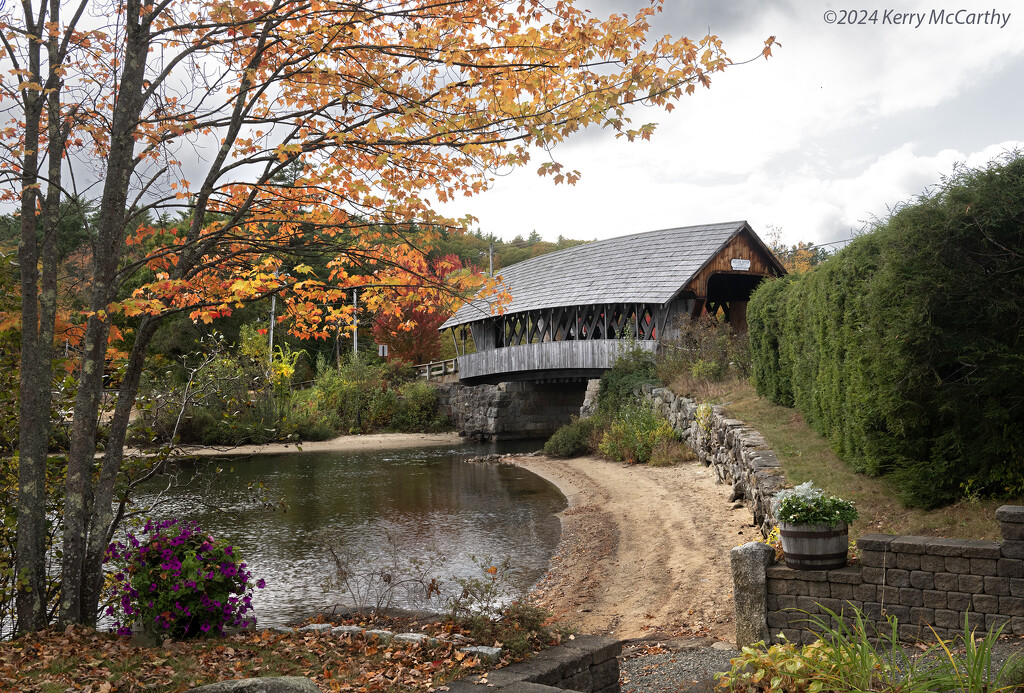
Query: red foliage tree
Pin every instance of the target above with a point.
(411, 333)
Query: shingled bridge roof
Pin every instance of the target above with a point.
(651, 267)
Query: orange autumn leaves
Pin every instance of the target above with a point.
(386, 108)
(81, 659)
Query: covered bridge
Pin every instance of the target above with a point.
(569, 308)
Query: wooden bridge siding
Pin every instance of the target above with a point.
(575, 323)
(545, 356)
(742, 247)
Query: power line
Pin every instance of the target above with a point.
(810, 247)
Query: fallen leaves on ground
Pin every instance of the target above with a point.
(80, 659)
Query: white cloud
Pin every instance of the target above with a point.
(842, 123)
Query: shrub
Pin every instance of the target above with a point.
(633, 367)
(904, 348)
(179, 581)
(571, 440)
(416, 409)
(307, 419)
(702, 351)
(707, 370)
(365, 396)
(634, 432)
(852, 655)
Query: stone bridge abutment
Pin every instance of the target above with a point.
(512, 410)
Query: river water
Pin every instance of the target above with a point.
(391, 516)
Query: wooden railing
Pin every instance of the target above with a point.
(437, 369)
(582, 355)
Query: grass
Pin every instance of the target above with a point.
(806, 456)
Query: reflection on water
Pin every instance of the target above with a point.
(429, 500)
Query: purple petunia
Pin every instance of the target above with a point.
(215, 581)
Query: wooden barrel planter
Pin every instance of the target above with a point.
(815, 547)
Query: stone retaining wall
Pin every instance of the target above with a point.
(588, 663)
(928, 583)
(738, 454)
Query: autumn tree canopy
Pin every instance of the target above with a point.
(192, 109)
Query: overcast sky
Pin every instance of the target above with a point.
(843, 122)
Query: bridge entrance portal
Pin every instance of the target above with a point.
(731, 292)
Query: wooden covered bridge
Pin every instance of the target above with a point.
(570, 308)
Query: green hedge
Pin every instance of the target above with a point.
(906, 349)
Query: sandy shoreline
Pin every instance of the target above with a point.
(351, 443)
(644, 550)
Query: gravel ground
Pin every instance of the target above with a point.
(685, 664)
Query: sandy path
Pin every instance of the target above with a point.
(369, 441)
(644, 551)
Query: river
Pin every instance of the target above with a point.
(397, 519)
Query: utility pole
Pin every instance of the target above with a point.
(270, 344)
(355, 323)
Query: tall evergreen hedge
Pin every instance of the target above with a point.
(906, 349)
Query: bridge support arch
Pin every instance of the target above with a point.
(513, 410)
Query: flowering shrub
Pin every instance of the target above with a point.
(807, 504)
(180, 582)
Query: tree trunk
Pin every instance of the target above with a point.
(83, 506)
(78, 499)
(103, 520)
(36, 348)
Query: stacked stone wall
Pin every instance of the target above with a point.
(932, 585)
(737, 453)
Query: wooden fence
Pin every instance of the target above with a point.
(437, 369)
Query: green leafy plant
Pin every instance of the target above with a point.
(972, 670)
(853, 655)
(705, 417)
(807, 504)
(785, 667)
(861, 658)
(416, 409)
(633, 367)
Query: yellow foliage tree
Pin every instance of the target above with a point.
(197, 108)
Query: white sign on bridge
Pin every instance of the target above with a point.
(740, 265)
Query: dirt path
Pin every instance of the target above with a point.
(644, 551)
